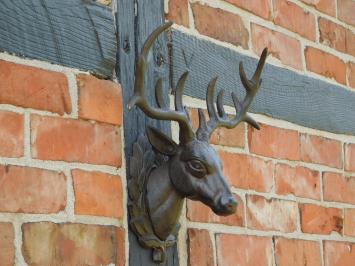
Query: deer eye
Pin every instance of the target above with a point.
(197, 168)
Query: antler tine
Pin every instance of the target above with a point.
(220, 107)
(159, 94)
(253, 84)
(139, 97)
(139, 85)
(179, 92)
(202, 119)
(251, 87)
(260, 66)
(243, 77)
(237, 105)
(251, 121)
(209, 100)
(203, 130)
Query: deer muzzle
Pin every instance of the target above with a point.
(227, 205)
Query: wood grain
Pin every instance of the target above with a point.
(284, 94)
(132, 33)
(74, 33)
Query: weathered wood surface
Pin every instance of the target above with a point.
(132, 33)
(74, 33)
(284, 94)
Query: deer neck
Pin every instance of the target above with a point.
(164, 202)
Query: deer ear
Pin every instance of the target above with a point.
(161, 142)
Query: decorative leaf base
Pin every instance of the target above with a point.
(142, 162)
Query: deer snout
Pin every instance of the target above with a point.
(227, 204)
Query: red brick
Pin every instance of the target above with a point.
(200, 248)
(120, 247)
(32, 87)
(339, 253)
(98, 194)
(7, 249)
(350, 157)
(325, 6)
(273, 214)
(11, 134)
(346, 11)
(198, 212)
(315, 149)
(71, 244)
(320, 220)
(99, 100)
(350, 40)
(179, 12)
(247, 172)
(246, 250)
(293, 17)
(351, 74)
(325, 64)
(294, 252)
(336, 36)
(229, 137)
(260, 8)
(280, 46)
(349, 222)
(337, 187)
(222, 136)
(299, 181)
(32, 190)
(75, 141)
(332, 34)
(271, 142)
(220, 25)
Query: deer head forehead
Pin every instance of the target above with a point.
(193, 150)
(200, 150)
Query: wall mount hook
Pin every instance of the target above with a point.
(163, 173)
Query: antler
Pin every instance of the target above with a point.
(180, 114)
(219, 118)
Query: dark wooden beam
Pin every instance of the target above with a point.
(284, 94)
(133, 30)
(73, 33)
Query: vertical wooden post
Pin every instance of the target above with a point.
(135, 20)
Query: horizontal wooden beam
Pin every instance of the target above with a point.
(74, 33)
(284, 94)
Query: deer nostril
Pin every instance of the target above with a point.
(228, 203)
(232, 203)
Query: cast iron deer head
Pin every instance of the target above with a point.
(194, 169)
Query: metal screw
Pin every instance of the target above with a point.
(126, 46)
(160, 60)
(159, 255)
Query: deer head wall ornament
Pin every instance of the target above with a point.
(163, 172)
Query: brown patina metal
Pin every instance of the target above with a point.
(163, 172)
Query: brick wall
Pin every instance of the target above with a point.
(62, 175)
(62, 167)
(295, 186)
(312, 36)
